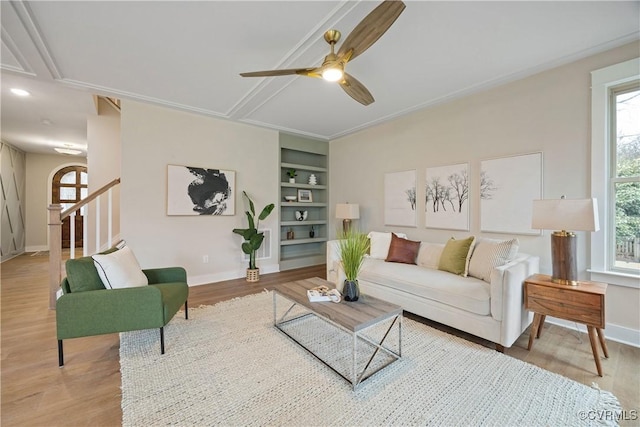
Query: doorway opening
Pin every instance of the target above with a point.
(69, 186)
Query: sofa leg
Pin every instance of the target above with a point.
(500, 348)
(162, 340)
(60, 354)
(186, 310)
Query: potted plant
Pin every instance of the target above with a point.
(353, 247)
(252, 238)
(292, 175)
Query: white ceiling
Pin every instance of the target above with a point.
(187, 55)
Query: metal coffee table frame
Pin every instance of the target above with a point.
(356, 377)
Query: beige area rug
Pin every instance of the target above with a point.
(227, 365)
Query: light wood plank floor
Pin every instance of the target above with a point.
(35, 392)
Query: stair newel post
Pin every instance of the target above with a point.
(55, 252)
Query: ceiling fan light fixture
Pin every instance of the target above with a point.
(332, 74)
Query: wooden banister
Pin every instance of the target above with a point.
(90, 198)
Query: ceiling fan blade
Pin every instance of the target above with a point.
(356, 90)
(371, 28)
(274, 73)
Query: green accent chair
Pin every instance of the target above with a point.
(86, 308)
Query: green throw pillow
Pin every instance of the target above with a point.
(82, 274)
(455, 256)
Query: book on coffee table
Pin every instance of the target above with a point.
(317, 296)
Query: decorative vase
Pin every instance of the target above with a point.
(292, 180)
(253, 275)
(312, 232)
(350, 291)
(290, 235)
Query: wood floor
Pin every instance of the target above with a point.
(35, 392)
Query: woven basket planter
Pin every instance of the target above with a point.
(253, 275)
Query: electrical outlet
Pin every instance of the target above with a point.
(205, 259)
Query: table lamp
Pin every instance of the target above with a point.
(346, 212)
(565, 214)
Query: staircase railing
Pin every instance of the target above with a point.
(56, 216)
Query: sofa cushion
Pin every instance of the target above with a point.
(402, 250)
(466, 293)
(490, 253)
(120, 270)
(380, 243)
(82, 274)
(429, 254)
(455, 256)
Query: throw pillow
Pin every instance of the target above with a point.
(429, 255)
(82, 274)
(455, 256)
(402, 250)
(491, 253)
(120, 270)
(380, 243)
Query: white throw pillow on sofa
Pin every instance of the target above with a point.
(429, 255)
(380, 243)
(120, 269)
(490, 253)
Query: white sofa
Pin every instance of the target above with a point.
(491, 309)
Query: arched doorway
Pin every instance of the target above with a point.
(69, 186)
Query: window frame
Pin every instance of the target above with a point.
(603, 83)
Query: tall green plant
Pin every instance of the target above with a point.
(353, 247)
(252, 238)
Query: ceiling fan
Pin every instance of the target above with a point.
(365, 34)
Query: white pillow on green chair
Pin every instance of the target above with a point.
(120, 269)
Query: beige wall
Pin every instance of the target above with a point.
(547, 112)
(154, 137)
(103, 164)
(40, 171)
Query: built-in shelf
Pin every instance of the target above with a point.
(302, 167)
(302, 241)
(303, 186)
(307, 157)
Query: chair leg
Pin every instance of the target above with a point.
(162, 340)
(186, 310)
(60, 354)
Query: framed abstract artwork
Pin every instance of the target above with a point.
(508, 187)
(447, 197)
(194, 190)
(400, 198)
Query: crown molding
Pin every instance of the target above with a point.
(12, 47)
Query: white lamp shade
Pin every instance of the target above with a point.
(348, 211)
(565, 214)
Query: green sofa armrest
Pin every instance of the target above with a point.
(107, 311)
(164, 275)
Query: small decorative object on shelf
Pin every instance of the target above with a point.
(313, 180)
(290, 198)
(292, 175)
(290, 235)
(305, 196)
(312, 232)
(302, 215)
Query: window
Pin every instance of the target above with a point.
(624, 185)
(615, 173)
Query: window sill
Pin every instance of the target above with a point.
(616, 278)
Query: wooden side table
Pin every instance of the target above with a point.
(583, 303)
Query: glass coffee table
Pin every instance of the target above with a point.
(354, 339)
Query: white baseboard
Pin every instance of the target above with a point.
(613, 332)
(227, 275)
(37, 248)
